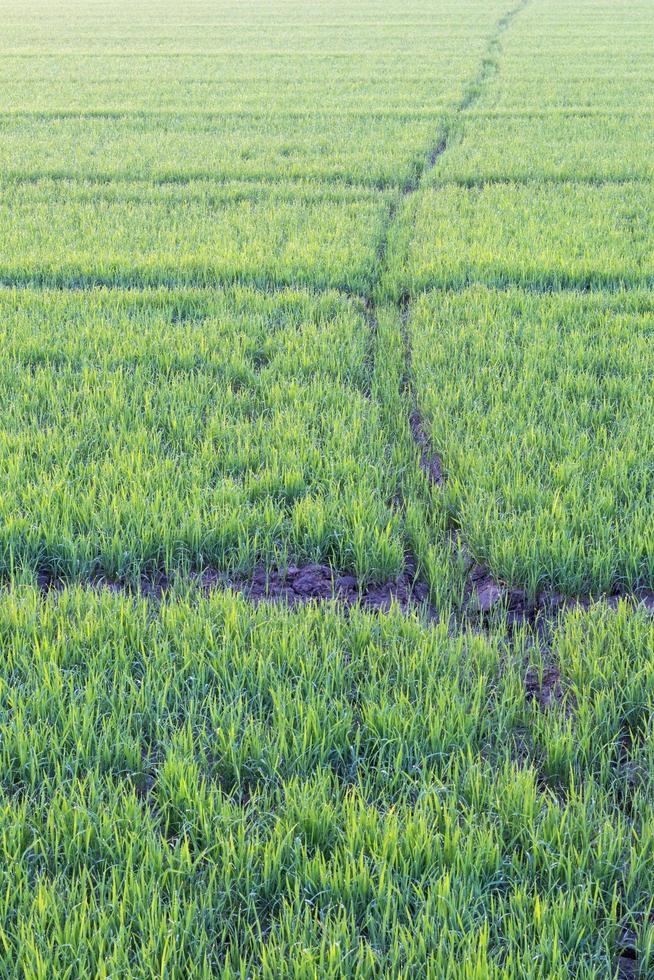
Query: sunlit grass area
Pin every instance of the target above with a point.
(361, 292)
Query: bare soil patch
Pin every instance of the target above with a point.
(293, 586)
(430, 461)
(545, 688)
(299, 584)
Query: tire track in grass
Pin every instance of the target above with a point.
(481, 592)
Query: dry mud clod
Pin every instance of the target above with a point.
(300, 584)
(544, 687)
(430, 461)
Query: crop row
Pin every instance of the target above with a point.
(540, 409)
(217, 147)
(543, 235)
(286, 28)
(130, 233)
(602, 146)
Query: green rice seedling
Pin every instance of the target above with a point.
(539, 407)
(219, 789)
(543, 236)
(579, 56)
(593, 147)
(182, 148)
(136, 234)
(167, 429)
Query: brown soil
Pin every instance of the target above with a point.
(627, 961)
(297, 585)
(430, 462)
(484, 594)
(294, 586)
(546, 689)
(438, 151)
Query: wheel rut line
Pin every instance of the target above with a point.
(483, 594)
(429, 461)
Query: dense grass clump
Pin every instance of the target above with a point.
(132, 234)
(540, 407)
(502, 234)
(162, 432)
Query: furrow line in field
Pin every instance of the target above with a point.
(486, 602)
(293, 586)
(86, 283)
(429, 461)
(140, 284)
(270, 181)
(553, 180)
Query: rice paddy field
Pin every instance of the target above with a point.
(327, 489)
